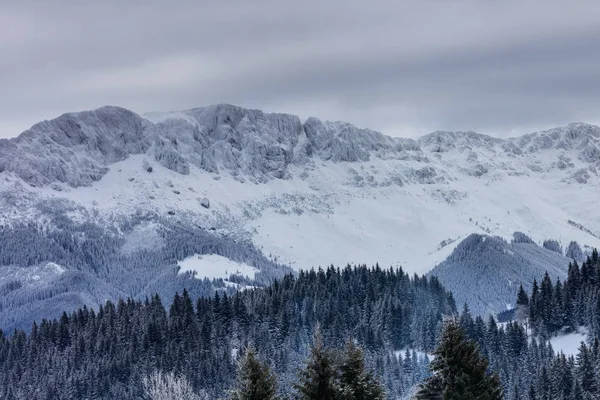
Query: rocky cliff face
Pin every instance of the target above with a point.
(78, 148)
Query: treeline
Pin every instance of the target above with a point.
(327, 374)
(529, 368)
(564, 306)
(519, 350)
(106, 354)
(99, 263)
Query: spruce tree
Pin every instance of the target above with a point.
(318, 380)
(356, 383)
(459, 372)
(255, 380)
(531, 394)
(534, 305)
(585, 371)
(522, 311)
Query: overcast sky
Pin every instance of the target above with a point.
(402, 67)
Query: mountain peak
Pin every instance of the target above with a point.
(440, 141)
(79, 148)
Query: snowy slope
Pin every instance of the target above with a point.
(569, 343)
(213, 266)
(315, 193)
(485, 272)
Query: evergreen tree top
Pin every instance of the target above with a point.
(459, 371)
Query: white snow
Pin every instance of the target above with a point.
(59, 269)
(214, 266)
(326, 212)
(569, 343)
(341, 223)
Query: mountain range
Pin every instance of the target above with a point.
(107, 203)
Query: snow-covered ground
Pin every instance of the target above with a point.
(569, 343)
(213, 266)
(329, 193)
(321, 219)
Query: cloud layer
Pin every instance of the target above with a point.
(402, 67)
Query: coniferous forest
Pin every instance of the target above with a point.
(107, 353)
(395, 320)
(530, 368)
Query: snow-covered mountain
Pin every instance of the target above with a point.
(493, 269)
(305, 194)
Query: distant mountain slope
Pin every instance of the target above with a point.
(485, 272)
(315, 179)
(283, 192)
(61, 264)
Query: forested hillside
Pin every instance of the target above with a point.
(565, 306)
(485, 271)
(528, 365)
(105, 354)
(61, 264)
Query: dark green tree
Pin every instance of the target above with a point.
(255, 380)
(585, 371)
(318, 380)
(531, 394)
(356, 382)
(522, 297)
(534, 304)
(522, 311)
(459, 372)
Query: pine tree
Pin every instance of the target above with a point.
(459, 371)
(585, 370)
(547, 301)
(534, 305)
(531, 393)
(255, 380)
(318, 380)
(577, 393)
(522, 297)
(466, 321)
(161, 386)
(356, 383)
(522, 305)
(516, 395)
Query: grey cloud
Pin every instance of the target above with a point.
(401, 67)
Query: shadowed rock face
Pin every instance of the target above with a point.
(78, 148)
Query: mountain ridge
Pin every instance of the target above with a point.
(275, 193)
(251, 142)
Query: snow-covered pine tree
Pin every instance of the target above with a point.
(318, 379)
(459, 371)
(356, 383)
(585, 372)
(255, 380)
(522, 305)
(531, 393)
(168, 386)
